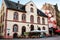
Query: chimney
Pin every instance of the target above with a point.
(18, 2)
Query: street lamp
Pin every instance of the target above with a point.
(8, 32)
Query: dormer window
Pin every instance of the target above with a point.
(31, 10)
(31, 4)
(17, 7)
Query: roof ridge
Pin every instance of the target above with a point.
(41, 13)
(13, 2)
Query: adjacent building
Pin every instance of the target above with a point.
(57, 16)
(50, 11)
(18, 18)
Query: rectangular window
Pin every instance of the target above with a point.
(31, 10)
(43, 20)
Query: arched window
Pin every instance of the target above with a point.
(32, 27)
(31, 4)
(15, 28)
(43, 21)
(39, 28)
(43, 28)
(23, 17)
(15, 16)
(31, 10)
(38, 20)
(23, 30)
(32, 19)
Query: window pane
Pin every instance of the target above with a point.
(38, 20)
(31, 4)
(23, 17)
(32, 27)
(43, 28)
(15, 28)
(39, 28)
(16, 16)
(31, 10)
(32, 19)
(43, 21)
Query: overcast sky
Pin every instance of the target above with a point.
(38, 3)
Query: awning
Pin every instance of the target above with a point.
(57, 31)
(38, 31)
(35, 31)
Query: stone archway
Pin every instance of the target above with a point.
(39, 28)
(23, 30)
(15, 35)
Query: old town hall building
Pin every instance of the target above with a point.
(17, 19)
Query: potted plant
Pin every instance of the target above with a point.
(26, 34)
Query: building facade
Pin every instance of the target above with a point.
(18, 18)
(57, 16)
(1, 24)
(50, 11)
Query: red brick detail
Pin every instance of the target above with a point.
(8, 36)
(5, 35)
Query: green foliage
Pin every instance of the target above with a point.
(58, 18)
(26, 33)
(58, 14)
(1, 24)
(58, 23)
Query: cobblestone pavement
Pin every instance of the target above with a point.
(50, 38)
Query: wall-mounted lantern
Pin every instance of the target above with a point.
(28, 24)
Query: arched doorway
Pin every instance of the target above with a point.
(15, 35)
(43, 28)
(32, 27)
(39, 29)
(23, 30)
